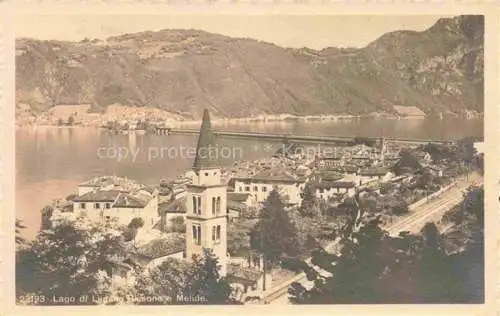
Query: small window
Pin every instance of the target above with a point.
(108, 218)
(217, 206)
(82, 205)
(197, 234)
(216, 232)
(97, 206)
(264, 189)
(247, 188)
(256, 188)
(108, 205)
(321, 190)
(206, 174)
(241, 189)
(215, 173)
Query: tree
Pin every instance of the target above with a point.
(274, 234)
(60, 122)
(238, 240)
(369, 204)
(205, 282)
(466, 151)
(71, 120)
(178, 225)
(134, 226)
(308, 205)
(181, 282)
(167, 280)
(71, 259)
(387, 187)
(373, 267)
(356, 270)
(46, 214)
(20, 241)
(400, 208)
(407, 163)
(425, 181)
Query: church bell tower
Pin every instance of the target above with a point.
(206, 218)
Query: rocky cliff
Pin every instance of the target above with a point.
(184, 71)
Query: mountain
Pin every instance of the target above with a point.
(438, 70)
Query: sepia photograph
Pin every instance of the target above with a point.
(249, 159)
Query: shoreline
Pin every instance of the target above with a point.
(274, 119)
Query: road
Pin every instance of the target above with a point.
(430, 211)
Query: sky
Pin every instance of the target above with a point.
(312, 31)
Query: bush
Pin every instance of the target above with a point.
(178, 225)
(387, 187)
(400, 208)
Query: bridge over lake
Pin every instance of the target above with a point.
(339, 140)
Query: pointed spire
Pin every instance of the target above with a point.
(206, 157)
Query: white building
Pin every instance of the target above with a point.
(102, 205)
(260, 185)
(329, 189)
(368, 175)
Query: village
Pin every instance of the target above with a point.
(217, 207)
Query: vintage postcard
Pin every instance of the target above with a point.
(328, 156)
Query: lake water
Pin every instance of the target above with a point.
(51, 162)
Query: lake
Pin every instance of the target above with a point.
(51, 162)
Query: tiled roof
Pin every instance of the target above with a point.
(176, 206)
(237, 197)
(129, 201)
(350, 168)
(329, 174)
(111, 180)
(374, 172)
(235, 206)
(274, 175)
(334, 184)
(234, 270)
(149, 189)
(98, 196)
(163, 247)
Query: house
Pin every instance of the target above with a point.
(331, 160)
(329, 189)
(391, 156)
(373, 174)
(157, 251)
(328, 175)
(106, 198)
(243, 198)
(262, 183)
(108, 183)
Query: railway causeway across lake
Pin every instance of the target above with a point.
(338, 140)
